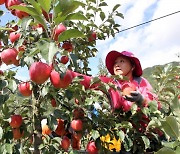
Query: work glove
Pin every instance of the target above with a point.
(135, 96)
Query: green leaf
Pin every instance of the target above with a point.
(12, 85)
(52, 122)
(171, 127)
(52, 51)
(71, 33)
(102, 15)
(76, 16)
(120, 15)
(35, 5)
(1, 133)
(178, 150)
(95, 134)
(103, 4)
(116, 7)
(3, 98)
(1, 12)
(45, 4)
(165, 150)
(2, 84)
(43, 46)
(146, 141)
(26, 22)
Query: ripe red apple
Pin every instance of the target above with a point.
(67, 46)
(64, 59)
(58, 82)
(127, 88)
(2, 2)
(78, 113)
(91, 148)
(39, 72)
(65, 143)
(92, 37)
(8, 56)
(126, 105)
(46, 15)
(13, 36)
(77, 124)
(16, 121)
(21, 14)
(25, 89)
(9, 3)
(53, 102)
(58, 30)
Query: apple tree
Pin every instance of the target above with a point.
(59, 108)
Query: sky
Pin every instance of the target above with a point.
(155, 43)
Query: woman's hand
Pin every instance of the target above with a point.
(135, 96)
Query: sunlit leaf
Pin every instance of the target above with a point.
(171, 127)
(45, 4)
(102, 15)
(165, 150)
(116, 7)
(71, 33)
(76, 16)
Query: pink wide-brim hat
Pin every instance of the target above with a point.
(112, 55)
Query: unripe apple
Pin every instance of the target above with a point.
(92, 37)
(2, 2)
(58, 82)
(64, 59)
(39, 72)
(14, 36)
(127, 88)
(21, 14)
(16, 121)
(65, 143)
(58, 30)
(77, 125)
(67, 46)
(8, 56)
(25, 89)
(91, 148)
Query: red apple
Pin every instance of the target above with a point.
(16, 121)
(1, 72)
(60, 130)
(46, 15)
(39, 72)
(77, 124)
(67, 46)
(64, 59)
(2, 2)
(127, 88)
(53, 102)
(65, 143)
(91, 148)
(9, 3)
(58, 30)
(78, 113)
(21, 14)
(25, 89)
(92, 37)
(14, 36)
(58, 82)
(8, 56)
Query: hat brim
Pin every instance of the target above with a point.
(111, 57)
